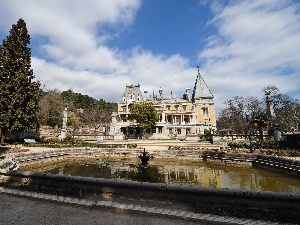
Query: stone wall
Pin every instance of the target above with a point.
(48, 132)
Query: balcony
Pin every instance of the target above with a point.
(180, 111)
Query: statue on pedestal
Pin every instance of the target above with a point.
(274, 132)
(63, 132)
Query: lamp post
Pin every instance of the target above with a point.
(249, 132)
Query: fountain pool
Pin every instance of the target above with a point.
(175, 172)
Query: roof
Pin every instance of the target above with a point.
(201, 89)
(132, 93)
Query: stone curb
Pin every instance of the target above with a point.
(153, 210)
(159, 187)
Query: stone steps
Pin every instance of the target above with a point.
(279, 164)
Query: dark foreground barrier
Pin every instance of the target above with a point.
(157, 187)
(274, 206)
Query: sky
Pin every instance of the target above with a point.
(97, 47)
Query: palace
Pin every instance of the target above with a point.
(182, 118)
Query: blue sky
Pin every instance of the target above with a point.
(97, 47)
(169, 27)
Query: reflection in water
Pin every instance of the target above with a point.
(202, 174)
(151, 175)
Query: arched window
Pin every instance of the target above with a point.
(205, 111)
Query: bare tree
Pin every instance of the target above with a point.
(232, 116)
(287, 109)
(96, 116)
(51, 109)
(253, 105)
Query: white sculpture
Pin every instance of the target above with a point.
(63, 132)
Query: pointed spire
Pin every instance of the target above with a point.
(201, 89)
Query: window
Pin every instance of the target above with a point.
(177, 119)
(176, 107)
(184, 107)
(205, 111)
(186, 119)
(168, 107)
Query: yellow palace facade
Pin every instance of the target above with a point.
(185, 117)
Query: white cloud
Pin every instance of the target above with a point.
(151, 71)
(86, 82)
(161, 71)
(257, 45)
(71, 26)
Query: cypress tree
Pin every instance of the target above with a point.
(19, 93)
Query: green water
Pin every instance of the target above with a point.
(186, 173)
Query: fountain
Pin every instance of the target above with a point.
(173, 172)
(144, 157)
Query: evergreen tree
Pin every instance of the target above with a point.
(19, 93)
(144, 114)
(77, 100)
